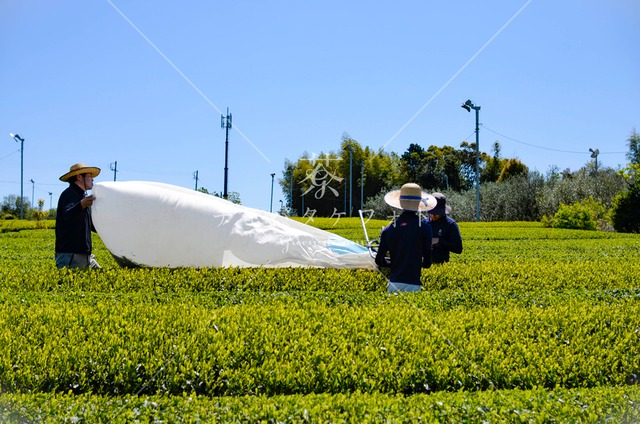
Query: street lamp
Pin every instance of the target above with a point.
(350, 180)
(468, 105)
(271, 203)
(33, 191)
(594, 154)
(17, 138)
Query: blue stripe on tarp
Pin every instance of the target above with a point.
(342, 246)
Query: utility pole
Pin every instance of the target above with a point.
(114, 168)
(195, 177)
(225, 122)
(50, 200)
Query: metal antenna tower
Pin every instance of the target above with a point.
(114, 167)
(225, 122)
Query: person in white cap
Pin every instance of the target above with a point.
(73, 219)
(407, 239)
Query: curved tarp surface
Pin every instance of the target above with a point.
(160, 225)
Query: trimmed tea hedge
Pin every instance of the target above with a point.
(528, 324)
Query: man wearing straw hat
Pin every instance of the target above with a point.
(73, 219)
(407, 239)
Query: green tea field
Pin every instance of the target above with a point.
(528, 324)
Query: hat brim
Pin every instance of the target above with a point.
(87, 170)
(441, 211)
(426, 203)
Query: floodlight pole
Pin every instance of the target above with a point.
(19, 139)
(350, 179)
(468, 105)
(225, 122)
(271, 203)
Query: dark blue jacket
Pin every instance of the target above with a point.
(73, 223)
(449, 240)
(408, 241)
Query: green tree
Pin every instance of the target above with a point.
(434, 168)
(315, 184)
(577, 216)
(232, 196)
(468, 164)
(40, 215)
(634, 148)
(321, 184)
(382, 171)
(412, 162)
(625, 214)
(450, 168)
(10, 207)
(512, 167)
(494, 165)
(571, 187)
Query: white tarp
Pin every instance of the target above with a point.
(160, 225)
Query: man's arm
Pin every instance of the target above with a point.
(383, 248)
(71, 207)
(453, 242)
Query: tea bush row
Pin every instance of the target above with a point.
(601, 404)
(142, 344)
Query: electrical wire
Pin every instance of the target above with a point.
(10, 154)
(547, 148)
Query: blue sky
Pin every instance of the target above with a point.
(144, 84)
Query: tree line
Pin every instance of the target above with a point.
(338, 183)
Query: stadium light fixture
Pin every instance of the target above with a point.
(468, 105)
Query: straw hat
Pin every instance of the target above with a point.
(410, 198)
(80, 168)
(441, 207)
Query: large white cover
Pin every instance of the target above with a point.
(160, 225)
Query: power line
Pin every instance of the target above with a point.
(183, 75)
(546, 148)
(455, 75)
(10, 154)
